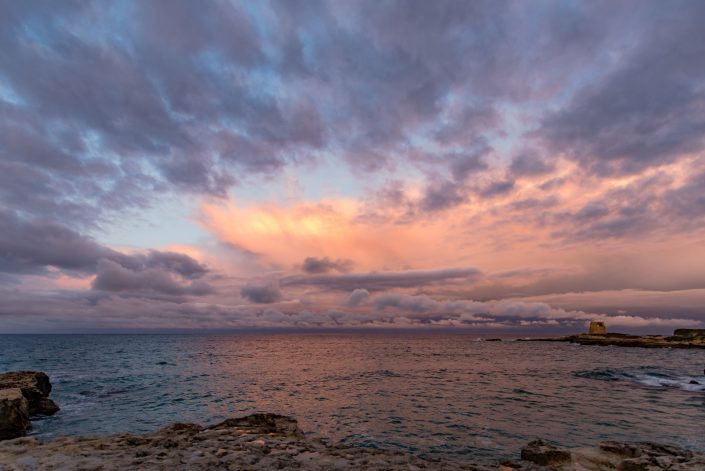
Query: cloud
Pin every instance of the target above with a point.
(113, 277)
(314, 266)
(357, 297)
(262, 292)
(385, 280)
(487, 134)
(646, 111)
(507, 312)
(529, 164)
(30, 246)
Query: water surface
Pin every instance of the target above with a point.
(424, 393)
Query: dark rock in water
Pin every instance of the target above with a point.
(689, 333)
(35, 387)
(543, 454)
(692, 381)
(14, 414)
(682, 338)
(22, 394)
(493, 340)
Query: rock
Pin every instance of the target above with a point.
(35, 387)
(14, 414)
(626, 340)
(256, 442)
(22, 394)
(543, 454)
(270, 441)
(689, 333)
(608, 455)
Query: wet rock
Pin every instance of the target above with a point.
(270, 441)
(23, 394)
(256, 442)
(35, 387)
(626, 340)
(608, 455)
(14, 414)
(543, 454)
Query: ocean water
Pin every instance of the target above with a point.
(424, 393)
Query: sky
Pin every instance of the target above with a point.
(487, 165)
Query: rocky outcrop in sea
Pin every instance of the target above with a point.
(22, 395)
(681, 338)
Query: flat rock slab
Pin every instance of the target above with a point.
(539, 455)
(256, 442)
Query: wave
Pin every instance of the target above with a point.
(650, 378)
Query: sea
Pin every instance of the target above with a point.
(430, 394)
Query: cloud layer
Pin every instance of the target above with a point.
(493, 164)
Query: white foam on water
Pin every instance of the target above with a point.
(680, 382)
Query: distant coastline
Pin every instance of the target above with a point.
(681, 338)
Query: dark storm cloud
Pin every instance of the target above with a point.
(262, 292)
(384, 280)
(314, 266)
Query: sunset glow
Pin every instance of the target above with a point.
(506, 165)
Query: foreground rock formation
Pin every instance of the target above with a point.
(620, 456)
(255, 442)
(23, 394)
(269, 441)
(681, 338)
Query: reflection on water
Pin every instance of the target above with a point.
(427, 393)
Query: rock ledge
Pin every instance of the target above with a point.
(270, 441)
(23, 394)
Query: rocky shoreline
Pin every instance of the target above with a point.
(270, 441)
(681, 338)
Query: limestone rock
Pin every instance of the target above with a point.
(14, 414)
(256, 442)
(544, 454)
(35, 387)
(609, 455)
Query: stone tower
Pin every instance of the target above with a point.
(597, 328)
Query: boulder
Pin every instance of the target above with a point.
(35, 387)
(14, 414)
(543, 454)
